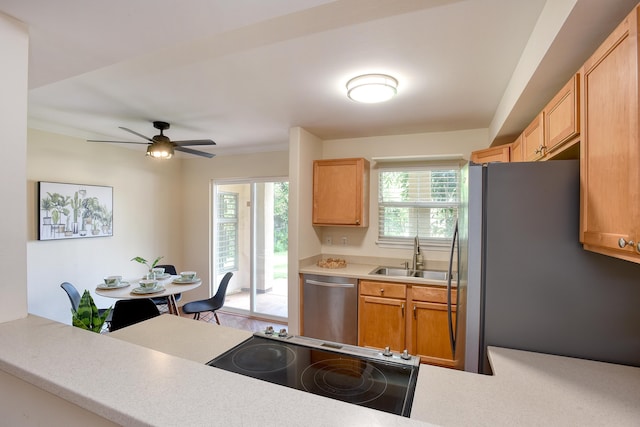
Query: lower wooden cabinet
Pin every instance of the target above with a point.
(381, 315)
(429, 328)
(406, 316)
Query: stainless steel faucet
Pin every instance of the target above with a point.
(417, 255)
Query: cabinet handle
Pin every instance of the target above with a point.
(382, 290)
(540, 149)
(402, 309)
(414, 312)
(622, 243)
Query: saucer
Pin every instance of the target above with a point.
(181, 281)
(144, 291)
(102, 286)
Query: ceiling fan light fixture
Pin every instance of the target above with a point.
(372, 88)
(160, 150)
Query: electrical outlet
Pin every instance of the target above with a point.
(328, 240)
(344, 240)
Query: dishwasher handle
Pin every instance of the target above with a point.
(328, 284)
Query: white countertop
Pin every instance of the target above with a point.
(361, 271)
(528, 389)
(107, 376)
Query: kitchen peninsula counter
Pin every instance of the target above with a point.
(153, 373)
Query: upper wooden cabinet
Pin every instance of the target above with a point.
(561, 118)
(533, 140)
(610, 152)
(341, 192)
(516, 150)
(500, 153)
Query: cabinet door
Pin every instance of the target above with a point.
(430, 333)
(533, 140)
(381, 323)
(561, 122)
(340, 187)
(493, 154)
(610, 156)
(516, 150)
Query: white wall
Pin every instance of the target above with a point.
(147, 218)
(14, 46)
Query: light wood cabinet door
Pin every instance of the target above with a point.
(430, 333)
(381, 323)
(341, 192)
(516, 150)
(610, 152)
(533, 140)
(561, 118)
(492, 154)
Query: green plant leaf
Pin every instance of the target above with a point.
(87, 317)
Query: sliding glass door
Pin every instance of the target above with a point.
(250, 235)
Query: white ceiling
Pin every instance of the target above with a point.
(243, 72)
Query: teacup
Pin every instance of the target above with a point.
(157, 271)
(112, 280)
(148, 283)
(187, 275)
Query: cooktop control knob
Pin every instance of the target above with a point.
(405, 355)
(282, 333)
(387, 352)
(269, 330)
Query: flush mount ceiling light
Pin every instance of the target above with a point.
(372, 88)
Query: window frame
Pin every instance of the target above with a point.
(421, 165)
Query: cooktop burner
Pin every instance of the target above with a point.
(348, 373)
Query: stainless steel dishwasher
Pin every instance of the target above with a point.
(330, 308)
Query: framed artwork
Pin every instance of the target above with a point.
(73, 211)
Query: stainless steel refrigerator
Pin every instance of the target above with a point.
(525, 280)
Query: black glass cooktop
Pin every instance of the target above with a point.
(379, 384)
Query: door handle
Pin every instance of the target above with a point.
(329, 285)
(402, 309)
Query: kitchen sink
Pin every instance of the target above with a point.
(403, 272)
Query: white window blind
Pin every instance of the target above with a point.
(227, 236)
(418, 200)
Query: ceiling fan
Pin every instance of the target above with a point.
(161, 147)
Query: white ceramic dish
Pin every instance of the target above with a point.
(144, 291)
(181, 281)
(118, 286)
(162, 277)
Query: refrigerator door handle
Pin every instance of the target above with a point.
(452, 337)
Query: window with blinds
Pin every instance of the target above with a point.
(418, 200)
(227, 238)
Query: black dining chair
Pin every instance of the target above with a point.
(127, 312)
(164, 301)
(74, 298)
(212, 304)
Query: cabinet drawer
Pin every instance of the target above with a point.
(431, 294)
(383, 289)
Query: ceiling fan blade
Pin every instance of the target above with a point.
(136, 133)
(196, 152)
(194, 142)
(117, 142)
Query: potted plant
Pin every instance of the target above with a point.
(145, 262)
(76, 204)
(87, 316)
(46, 206)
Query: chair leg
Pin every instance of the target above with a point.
(216, 316)
(196, 316)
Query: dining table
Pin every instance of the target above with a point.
(168, 286)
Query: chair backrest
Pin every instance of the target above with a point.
(168, 268)
(126, 312)
(72, 293)
(222, 289)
